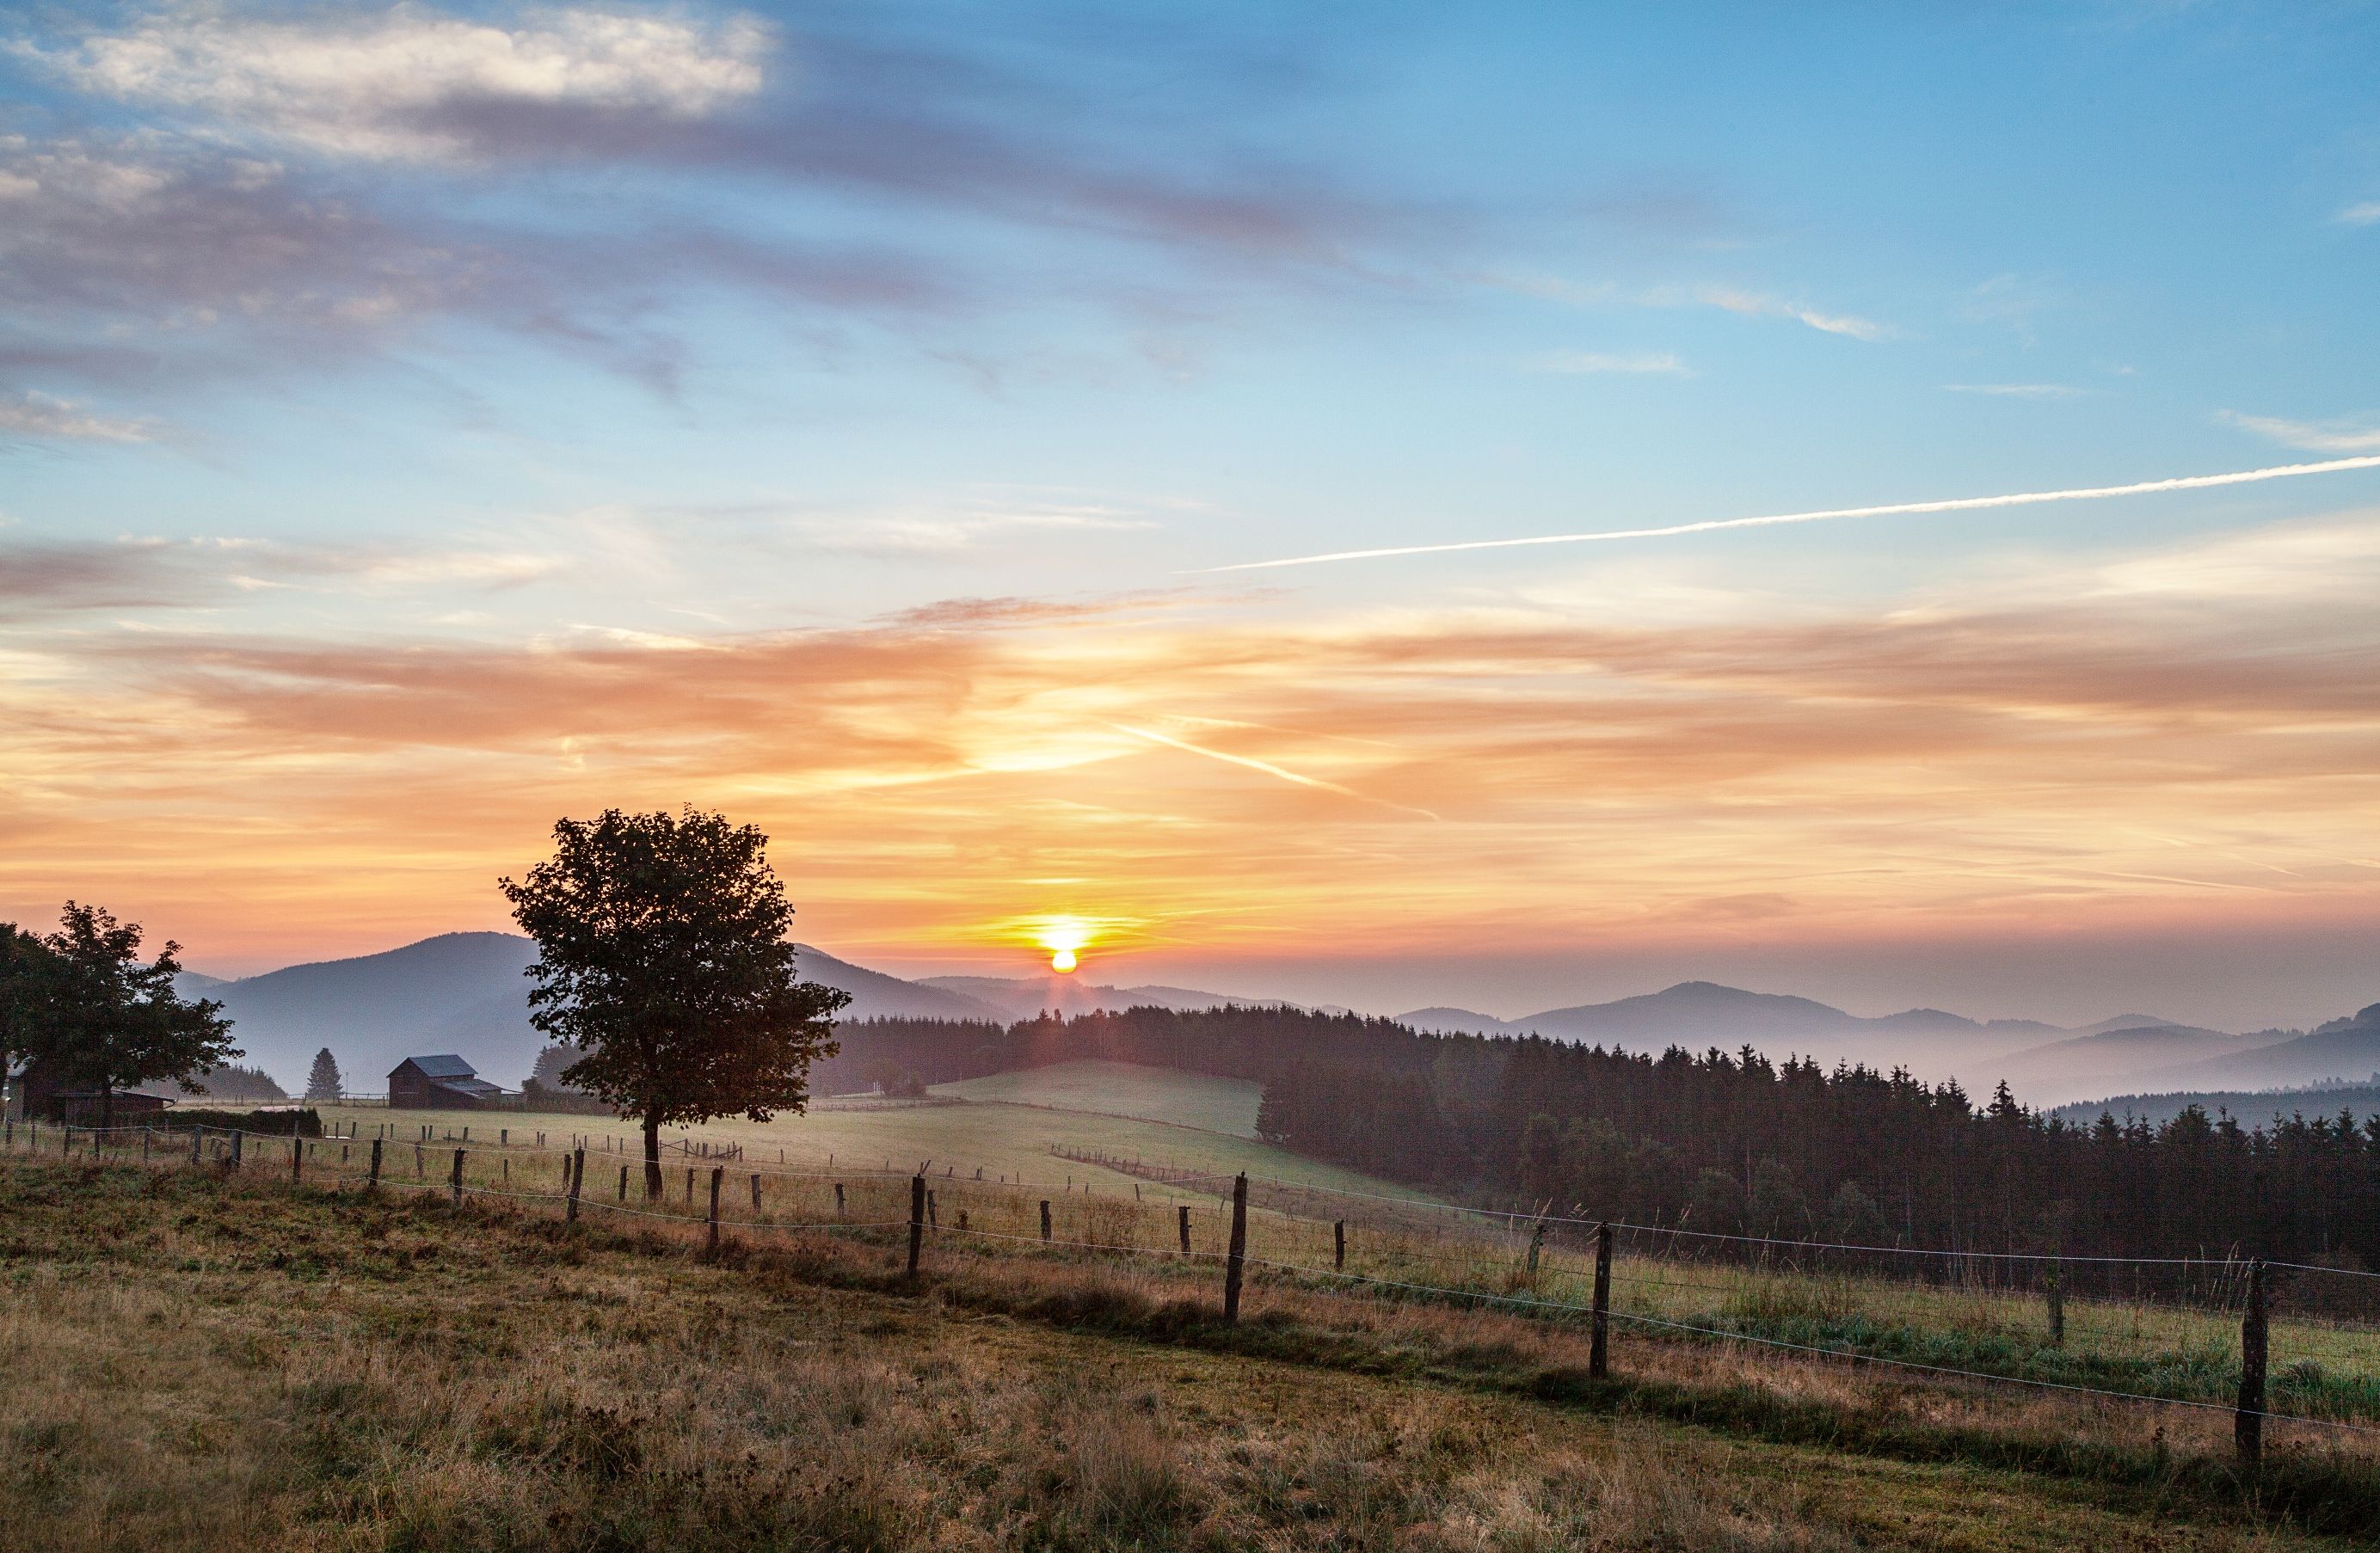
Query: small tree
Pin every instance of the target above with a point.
(93, 1010)
(551, 1064)
(662, 954)
(322, 1080)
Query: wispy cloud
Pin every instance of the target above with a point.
(1761, 304)
(1268, 768)
(2015, 390)
(40, 414)
(1660, 363)
(375, 85)
(2366, 213)
(2346, 435)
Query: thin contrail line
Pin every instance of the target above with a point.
(1960, 503)
(1268, 768)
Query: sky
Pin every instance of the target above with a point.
(418, 424)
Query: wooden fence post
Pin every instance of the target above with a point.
(297, 1159)
(420, 1165)
(756, 1194)
(372, 1184)
(238, 1139)
(838, 1199)
(2057, 1306)
(576, 1168)
(1045, 1219)
(144, 1145)
(1339, 1246)
(2248, 1426)
(1536, 1246)
(624, 1183)
(457, 1178)
(689, 1185)
(932, 1213)
(503, 1137)
(1598, 1347)
(1234, 1264)
(917, 1220)
(717, 1174)
(1184, 1213)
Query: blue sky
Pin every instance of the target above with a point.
(341, 341)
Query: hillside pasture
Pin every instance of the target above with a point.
(1205, 1102)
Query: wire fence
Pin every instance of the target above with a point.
(2288, 1343)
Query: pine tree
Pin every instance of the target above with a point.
(323, 1081)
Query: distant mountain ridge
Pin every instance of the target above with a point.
(466, 993)
(1696, 1014)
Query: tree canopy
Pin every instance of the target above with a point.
(80, 1002)
(662, 956)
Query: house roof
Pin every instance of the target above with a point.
(468, 1086)
(447, 1066)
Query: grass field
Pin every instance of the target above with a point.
(1201, 1100)
(230, 1363)
(1005, 1141)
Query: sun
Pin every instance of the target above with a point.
(1062, 936)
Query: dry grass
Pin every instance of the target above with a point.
(200, 1364)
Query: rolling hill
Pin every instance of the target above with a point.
(1025, 997)
(466, 993)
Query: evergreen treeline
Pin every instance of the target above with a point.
(1737, 1145)
(1233, 1042)
(1731, 1144)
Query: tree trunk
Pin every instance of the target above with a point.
(652, 1155)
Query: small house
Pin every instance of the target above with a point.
(445, 1083)
(45, 1091)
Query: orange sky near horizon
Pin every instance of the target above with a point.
(2184, 734)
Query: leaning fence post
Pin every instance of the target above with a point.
(1045, 1219)
(2248, 1428)
(457, 1178)
(1235, 1261)
(1599, 1348)
(1184, 1211)
(372, 1182)
(917, 1220)
(717, 1172)
(1339, 1246)
(1536, 1245)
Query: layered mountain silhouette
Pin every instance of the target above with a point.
(466, 993)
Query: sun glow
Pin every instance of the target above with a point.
(1062, 936)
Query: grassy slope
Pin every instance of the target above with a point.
(227, 1365)
(1004, 1140)
(1202, 1100)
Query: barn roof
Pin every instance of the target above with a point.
(447, 1066)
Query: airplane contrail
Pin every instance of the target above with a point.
(1957, 504)
(1268, 768)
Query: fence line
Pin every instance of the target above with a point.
(923, 1218)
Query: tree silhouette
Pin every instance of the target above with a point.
(322, 1080)
(662, 956)
(87, 1006)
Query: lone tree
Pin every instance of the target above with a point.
(322, 1080)
(662, 956)
(83, 1003)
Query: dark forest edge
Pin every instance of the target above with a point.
(1728, 1144)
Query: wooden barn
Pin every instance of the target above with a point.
(443, 1082)
(43, 1091)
